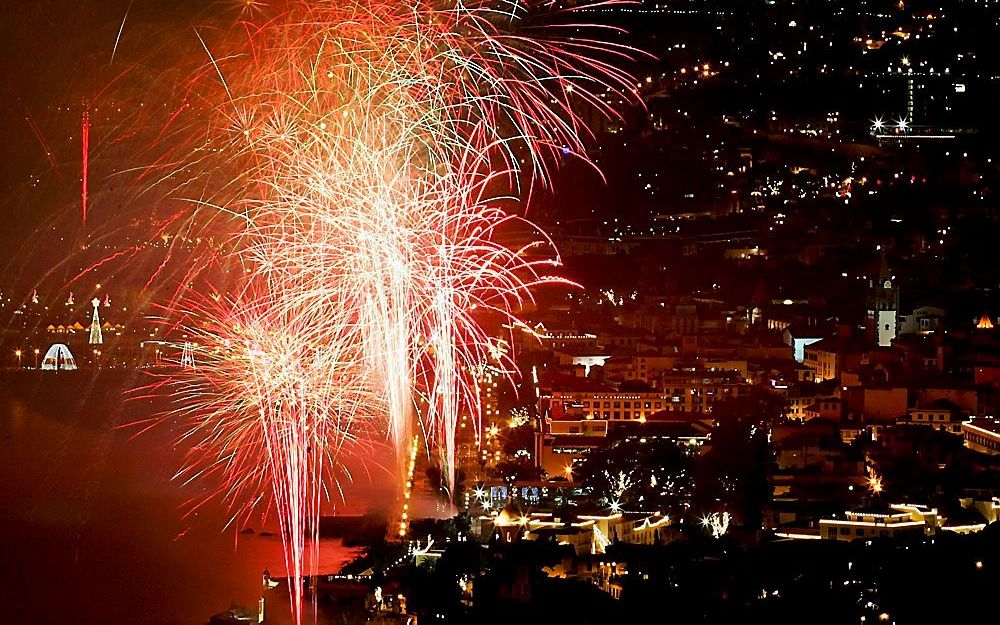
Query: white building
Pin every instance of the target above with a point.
(881, 522)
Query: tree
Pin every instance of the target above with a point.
(435, 478)
(641, 474)
(733, 475)
(519, 469)
(519, 441)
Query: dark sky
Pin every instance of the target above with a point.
(56, 60)
(57, 53)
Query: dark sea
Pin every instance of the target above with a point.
(94, 530)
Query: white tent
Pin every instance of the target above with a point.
(58, 358)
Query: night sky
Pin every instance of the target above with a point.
(56, 58)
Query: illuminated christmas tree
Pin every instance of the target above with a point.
(96, 338)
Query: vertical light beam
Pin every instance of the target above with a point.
(85, 146)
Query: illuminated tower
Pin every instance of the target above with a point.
(883, 306)
(488, 394)
(96, 338)
(490, 441)
(187, 356)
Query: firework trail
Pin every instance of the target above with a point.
(118, 37)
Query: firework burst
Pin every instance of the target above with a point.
(365, 152)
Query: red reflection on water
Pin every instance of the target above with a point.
(92, 527)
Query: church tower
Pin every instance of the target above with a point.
(883, 307)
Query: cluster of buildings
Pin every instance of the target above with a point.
(862, 403)
(860, 400)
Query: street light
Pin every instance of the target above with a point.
(17, 353)
(36, 357)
